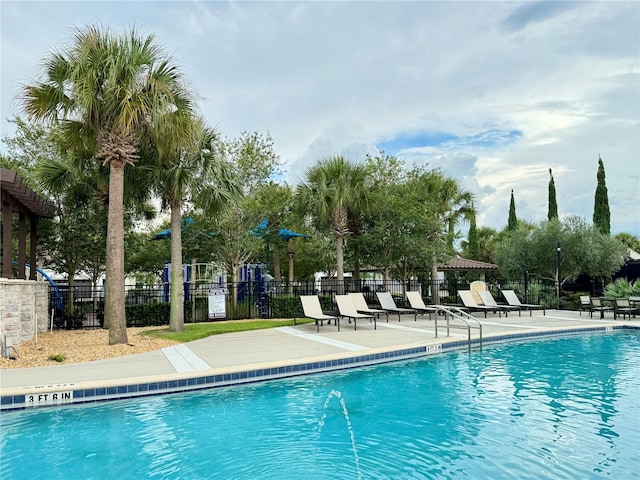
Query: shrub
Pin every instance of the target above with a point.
(201, 310)
(622, 288)
(286, 307)
(57, 357)
(239, 310)
(572, 301)
(326, 302)
(147, 314)
(73, 321)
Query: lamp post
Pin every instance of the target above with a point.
(559, 260)
(290, 254)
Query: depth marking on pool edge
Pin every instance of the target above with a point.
(183, 359)
(319, 339)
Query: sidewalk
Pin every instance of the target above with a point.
(258, 355)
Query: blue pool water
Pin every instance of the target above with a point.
(562, 408)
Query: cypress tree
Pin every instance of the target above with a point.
(513, 220)
(473, 239)
(553, 206)
(601, 213)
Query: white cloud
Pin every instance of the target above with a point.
(326, 78)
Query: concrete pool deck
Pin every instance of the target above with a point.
(258, 355)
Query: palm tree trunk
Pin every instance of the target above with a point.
(340, 263)
(435, 288)
(176, 314)
(356, 266)
(71, 275)
(234, 283)
(114, 307)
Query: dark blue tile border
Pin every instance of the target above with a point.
(90, 395)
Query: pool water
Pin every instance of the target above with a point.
(559, 408)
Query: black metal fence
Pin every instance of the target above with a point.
(83, 306)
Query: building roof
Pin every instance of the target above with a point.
(14, 186)
(458, 263)
(632, 254)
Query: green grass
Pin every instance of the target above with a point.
(196, 331)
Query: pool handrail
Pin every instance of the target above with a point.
(451, 311)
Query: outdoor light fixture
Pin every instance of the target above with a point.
(559, 260)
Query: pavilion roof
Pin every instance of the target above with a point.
(458, 263)
(13, 185)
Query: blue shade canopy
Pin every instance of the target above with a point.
(165, 234)
(283, 233)
(259, 230)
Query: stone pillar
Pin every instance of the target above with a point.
(22, 302)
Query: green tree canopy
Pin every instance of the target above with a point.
(512, 224)
(472, 239)
(275, 202)
(553, 205)
(584, 250)
(630, 241)
(253, 157)
(601, 213)
(67, 243)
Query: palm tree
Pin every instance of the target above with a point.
(187, 169)
(106, 91)
(451, 203)
(333, 188)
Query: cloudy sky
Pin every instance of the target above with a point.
(493, 93)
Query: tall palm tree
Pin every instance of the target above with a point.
(334, 187)
(105, 91)
(451, 204)
(187, 169)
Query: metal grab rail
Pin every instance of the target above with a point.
(457, 313)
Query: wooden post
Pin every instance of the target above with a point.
(33, 247)
(7, 236)
(22, 245)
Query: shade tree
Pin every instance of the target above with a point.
(584, 249)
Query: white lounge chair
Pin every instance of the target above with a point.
(469, 302)
(361, 305)
(513, 300)
(489, 301)
(416, 302)
(312, 309)
(387, 303)
(347, 309)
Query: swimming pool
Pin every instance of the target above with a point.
(556, 408)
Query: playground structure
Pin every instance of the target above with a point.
(203, 280)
